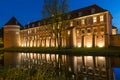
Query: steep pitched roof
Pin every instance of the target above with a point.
(73, 14)
(14, 21)
(114, 27)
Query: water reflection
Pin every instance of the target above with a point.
(77, 67)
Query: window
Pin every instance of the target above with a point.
(95, 30)
(83, 31)
(32, 25)
(88, 20)
(101, 18)
(94, 19)
(78, 32)
(93, 10)
(80, 14)
(38, 23)
(71, 23)
(77, 22)
(29, 31)
(68, 32)
(38, 37)
(58, 26)
(102, 29)
(32, 37)
(88, 31)
(35, 37)
(83, 21)
(53, 35)
(53, 27)
(69, 16)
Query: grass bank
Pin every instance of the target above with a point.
(112, 51)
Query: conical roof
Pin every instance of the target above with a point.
(13, 21)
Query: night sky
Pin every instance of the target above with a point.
(27, 11)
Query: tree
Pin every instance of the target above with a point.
(54, 12)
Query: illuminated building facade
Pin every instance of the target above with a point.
(88, 27)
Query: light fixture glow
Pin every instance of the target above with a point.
(101, 44)
(89, 45)
(89, 57)
(101, 58)
(79, 45)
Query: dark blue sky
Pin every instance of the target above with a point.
(30, 10)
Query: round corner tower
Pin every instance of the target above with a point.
(12, 34)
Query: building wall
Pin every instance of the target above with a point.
(11, 36)
(87, 31)
(115, 40)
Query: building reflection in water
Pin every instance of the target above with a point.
(81, 67)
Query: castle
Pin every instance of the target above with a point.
(88, 27)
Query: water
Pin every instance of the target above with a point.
(76, 67)
(117, 73)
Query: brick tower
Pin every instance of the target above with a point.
(12, 33)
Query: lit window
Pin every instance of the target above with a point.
(28, 31)
(53, 35)
(71, 23)
(35, 37)
(101, 18)
(78, 32)
(53, 27)
(68, 32)
(94, 19)
(58, 26)
(83, 21)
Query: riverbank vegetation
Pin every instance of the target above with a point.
(112, 51)
(28, 74)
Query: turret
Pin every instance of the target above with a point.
(12, 33)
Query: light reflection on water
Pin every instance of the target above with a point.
(82, 67)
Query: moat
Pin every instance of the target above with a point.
(74, 67)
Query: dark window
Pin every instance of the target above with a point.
(83, 31)
(80, 14)
(77, 22)
(69, 16)
(102, 36)
(88, 20)
(89, 31)
(95, 30)
(93, 10)
(102, 29)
